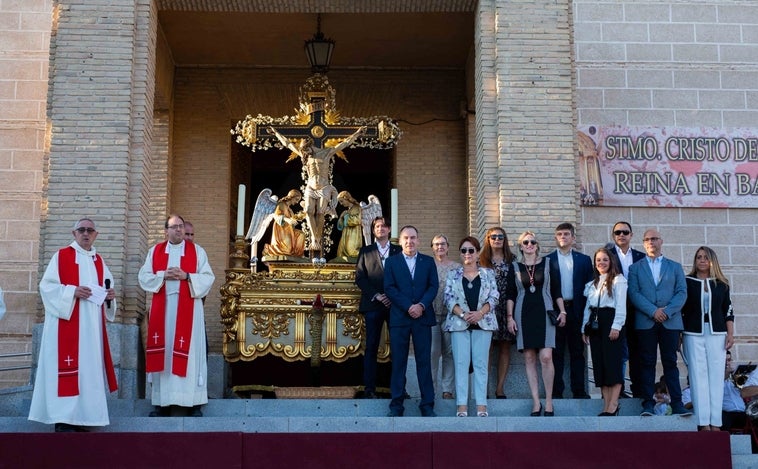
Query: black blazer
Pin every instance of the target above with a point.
(582, 273)
(721, 306)
(636, 256)
(369, 275)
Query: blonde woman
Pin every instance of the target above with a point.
(708, 333)
(442, 347)
(531, 294)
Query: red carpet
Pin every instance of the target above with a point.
(366, 450)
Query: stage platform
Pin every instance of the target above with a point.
(348, 432)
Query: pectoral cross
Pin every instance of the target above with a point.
(156, 337)
(68, 360)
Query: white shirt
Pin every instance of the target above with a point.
(566, 265)
(625, 259)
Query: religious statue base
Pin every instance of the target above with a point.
(273, 319)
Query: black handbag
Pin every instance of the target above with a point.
(553, 316)
(593, 326)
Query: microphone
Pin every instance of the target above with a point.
(107, 286)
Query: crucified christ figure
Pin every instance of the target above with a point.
(320, 197)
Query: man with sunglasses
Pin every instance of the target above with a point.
(576, 271)
(624, 255)
(74, 362)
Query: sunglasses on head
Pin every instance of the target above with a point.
(468, 250)
(621, 232)
(527, 242)
(496, 237)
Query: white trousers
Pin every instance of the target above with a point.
(706, 359)
(471, 346)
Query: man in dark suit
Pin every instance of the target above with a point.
(375, 306)
(410, 281)
(658, 291)
(576, 271)
(624, 256)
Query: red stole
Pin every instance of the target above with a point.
(156, 326)
(68, 331)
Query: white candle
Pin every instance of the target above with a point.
(393, 209)
(241, 211)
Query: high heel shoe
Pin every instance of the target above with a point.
(616, 413)
(549, 413)
(537, 413)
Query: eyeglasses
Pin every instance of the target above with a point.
(650, 240)
(436, 245)
(621, 232)
(175, 227)
(497, 237)
(82, 230)
(189, 234)
(468, 250)
(527, 242)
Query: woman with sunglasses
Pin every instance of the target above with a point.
(708, 333)
(530, 296)
(471, 296)
(497, 255)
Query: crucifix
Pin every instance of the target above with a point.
(317, 134)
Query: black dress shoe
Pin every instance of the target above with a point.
(536, 413)
(395, 413)
(65, 428)
(161, 412)
(582, 396)
(501, 396)
(370, 395)
(428, 413)
(195, 412)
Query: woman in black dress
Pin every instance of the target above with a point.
(531, 294)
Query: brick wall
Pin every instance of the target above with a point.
(675, 64)
(25, 37)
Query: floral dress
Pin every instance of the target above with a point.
(502, 271)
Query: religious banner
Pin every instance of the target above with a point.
(667, 167)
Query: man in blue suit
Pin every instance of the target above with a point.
(375, 306)
(624, 256)
(658, 291)
(576, 271)
(410, 282)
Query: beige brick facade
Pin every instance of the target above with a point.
(119, 134)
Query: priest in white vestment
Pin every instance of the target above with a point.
(177, 272)
(74, 364)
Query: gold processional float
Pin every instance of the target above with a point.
(276, 316)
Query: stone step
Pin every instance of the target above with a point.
(358, 415)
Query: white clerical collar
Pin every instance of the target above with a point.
(179, 246)
(83, 251)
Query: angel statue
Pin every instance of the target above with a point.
(349, 224)
(286, 240)
(320, 195)
(369, 211)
